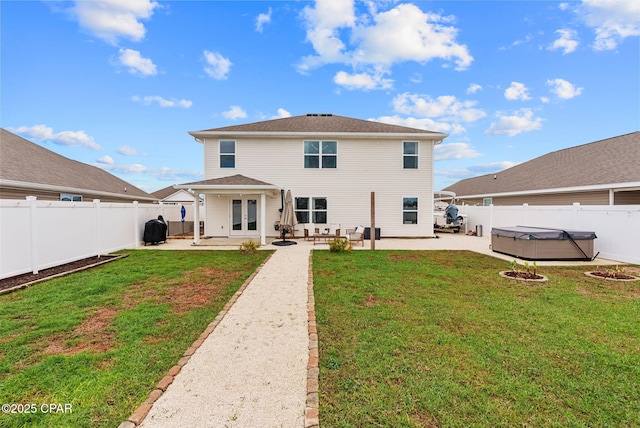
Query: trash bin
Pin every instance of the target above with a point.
(367, 233)
(478, 230)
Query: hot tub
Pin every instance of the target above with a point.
(535, 243)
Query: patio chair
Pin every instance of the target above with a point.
(356, 235)
(309, 230)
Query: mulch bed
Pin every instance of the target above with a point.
(613, 275)
(527, 276)
(27, 278)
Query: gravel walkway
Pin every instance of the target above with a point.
(251, 371)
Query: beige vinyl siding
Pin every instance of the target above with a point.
(627, 198)
(363, 166)
(583, 198)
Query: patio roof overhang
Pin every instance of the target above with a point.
(232, 185)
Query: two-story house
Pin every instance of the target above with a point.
(330, 163)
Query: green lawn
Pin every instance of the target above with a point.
(101, 339)
(413, 339)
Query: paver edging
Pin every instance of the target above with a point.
(137, 417)
(311, 414)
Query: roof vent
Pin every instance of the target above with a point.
(319, 114)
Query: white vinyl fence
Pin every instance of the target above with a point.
(36, 235)
(617, 227)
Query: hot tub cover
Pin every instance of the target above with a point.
(528, 232)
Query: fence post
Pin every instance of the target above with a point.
(96, 204)
(33, 239)
(490, 217)
(136, 226)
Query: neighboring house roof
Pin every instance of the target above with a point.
(164, 193)
(171, 194)
(28, 165)
(613, 162)
(318, 124)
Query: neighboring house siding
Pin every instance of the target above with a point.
(363, 166)
(42, 195)
(583, 198)
(627, 198)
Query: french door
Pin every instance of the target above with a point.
(244, 217)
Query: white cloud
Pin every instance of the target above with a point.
(422, 123)
(473, 88)
(563, 89)
(111, 20)
(379, 39)
(136, 63)
(282, 113)
(517, 91)
(234, 112)
(162, 102)
(446, 107)
(162, 173)
(128, 151)
(448, 151)
(521, 121)
(612, 20)
(262, 19)
(488, 168)
(106, 159)
(217, 67)
(362, 81)
(567, 41)
(64, 138)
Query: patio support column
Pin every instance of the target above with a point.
(196, 218)
(263, 214)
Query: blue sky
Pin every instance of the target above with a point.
(119, 83)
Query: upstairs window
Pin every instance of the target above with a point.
(320, 154)
(410, 210)
(227, 154)
(410, 154)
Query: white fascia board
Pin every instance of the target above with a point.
(230, 189)
(434, 137)
(61, 189)
(616, 187)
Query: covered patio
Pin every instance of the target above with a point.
(236, 207)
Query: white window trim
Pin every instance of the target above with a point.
(320, 154)
(220, 154)
(70, 196)
(416, 155)
(311, 208)
(417, 210)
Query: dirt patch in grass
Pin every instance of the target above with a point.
(624, 290)
(92, 335)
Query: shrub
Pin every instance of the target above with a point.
(249, 247)
(340, 245)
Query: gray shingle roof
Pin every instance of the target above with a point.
(163, 193)
(233, 180)
(27, 162)
(321, 123)
(610, 161)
